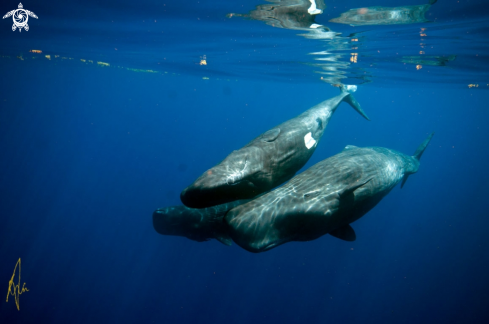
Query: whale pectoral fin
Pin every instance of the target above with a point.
(404, 179)
(271, 135)
(351, 188)
(224, 239)
(345, 233)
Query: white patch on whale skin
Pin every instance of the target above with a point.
(309, 141)
(313, 10)
(314, 26)
(351, 88)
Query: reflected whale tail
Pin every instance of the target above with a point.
(417, 154)
(349, 89)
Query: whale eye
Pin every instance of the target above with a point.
(320, 123)
(312, 194)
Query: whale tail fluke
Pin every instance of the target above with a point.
(422, 147)
(351, 100)
(417, 154)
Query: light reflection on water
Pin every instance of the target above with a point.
(287, 41)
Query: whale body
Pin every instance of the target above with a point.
(298, 14)
(385, 15)
(267, 161)
(324, 199)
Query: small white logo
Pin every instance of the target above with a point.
(20, 17)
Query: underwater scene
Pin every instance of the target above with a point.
(235, 162)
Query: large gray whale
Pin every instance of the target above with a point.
(267, 161)
(324, 199)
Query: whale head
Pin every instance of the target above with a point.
(181, 221)
(236, 177)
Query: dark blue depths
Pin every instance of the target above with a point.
(88, 153)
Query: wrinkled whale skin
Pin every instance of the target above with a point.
(324, 199)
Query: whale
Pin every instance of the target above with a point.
(199, 225)
(268, 160)
(324, 199)
(385, 15)
(298, 14)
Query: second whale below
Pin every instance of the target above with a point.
(324, 199)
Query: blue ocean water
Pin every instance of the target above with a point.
(107, 112)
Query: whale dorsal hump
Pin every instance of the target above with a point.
(271, 135)
(349, 147)
(345, 233)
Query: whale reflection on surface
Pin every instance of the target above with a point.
(290, 14)
(384, 15)
(429, 60)
(333, 62)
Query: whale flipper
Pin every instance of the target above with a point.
(223, 238)
(345, 233)
(417, 155)
(350, 189)
(404, 179)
